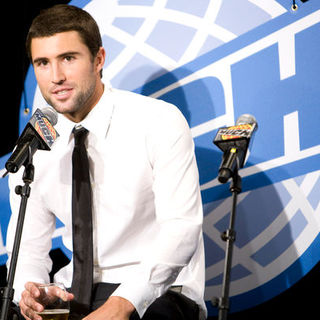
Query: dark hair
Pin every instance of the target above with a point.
(62, 18)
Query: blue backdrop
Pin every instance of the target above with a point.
(217, 60)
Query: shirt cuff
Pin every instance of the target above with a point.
(140, 295)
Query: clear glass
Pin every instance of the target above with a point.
(52, 297)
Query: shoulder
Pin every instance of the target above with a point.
(134, 102)
(147, 108)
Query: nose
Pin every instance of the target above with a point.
(58, 76)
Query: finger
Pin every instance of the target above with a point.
(27, 312)
(25, 316)
(69, 296)
(23, 309)
(30, 302)
(32, 287)
(61, 293)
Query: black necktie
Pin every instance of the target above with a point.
(82, 225)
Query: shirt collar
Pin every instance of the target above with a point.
(96, 122)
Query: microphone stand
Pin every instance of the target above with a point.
(24, 192)
(229, 236)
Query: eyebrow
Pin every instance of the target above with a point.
(62, 55)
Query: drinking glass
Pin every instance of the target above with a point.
(52, 297)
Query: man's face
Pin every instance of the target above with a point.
(67, 74)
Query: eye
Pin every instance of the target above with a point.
(69, 58)
(41, 63)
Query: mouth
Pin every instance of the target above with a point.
(62, 93)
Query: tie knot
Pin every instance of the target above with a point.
(80, 134)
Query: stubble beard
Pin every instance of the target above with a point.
(80, 101)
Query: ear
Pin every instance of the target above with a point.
(100, 59)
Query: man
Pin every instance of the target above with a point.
(146, 205)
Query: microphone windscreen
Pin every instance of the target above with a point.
(51, 115)
(246, 118)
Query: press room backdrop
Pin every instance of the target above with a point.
(217, 60)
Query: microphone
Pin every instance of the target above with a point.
(234, 141)
(39, 133)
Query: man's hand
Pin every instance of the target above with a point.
(115, 308)
(33, 300)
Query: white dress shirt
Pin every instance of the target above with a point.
(147, 211)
